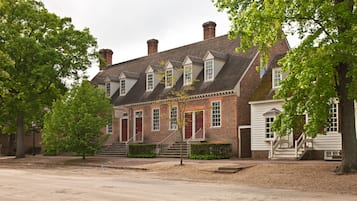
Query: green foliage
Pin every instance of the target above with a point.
(322, 68)
(209, 151)
(142, 150)
(327, 31)
(74, 124)
(38, 50)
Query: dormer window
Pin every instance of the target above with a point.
(107, 88)
(277, 77)
(149, 82)
(187, 75)
(122, 87)
(168, 78)
(209, 70)
(213, 64)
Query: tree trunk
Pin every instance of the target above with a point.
(348, 127)
(20, 135)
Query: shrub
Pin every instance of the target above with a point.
(208, 151)
(142, 150)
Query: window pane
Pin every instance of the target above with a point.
(149, 82)
(209, 70)
(268, 132)
(169, 78)
(156, 119)
(173, 118)
(216, 114)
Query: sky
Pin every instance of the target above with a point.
(124, 26)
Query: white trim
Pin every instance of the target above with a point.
(172, 79)
(142, 126)
(265, 101)
(220, 114)
(170, 109)
(205, 70)
(152, 81)
(152, 119)
(194, 97)
(193, 129)
(121, 89)
(273, 84)
(185, 81)
(121, 130)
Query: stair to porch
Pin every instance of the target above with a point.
(173, 151)
(287, 154)
(116, 149)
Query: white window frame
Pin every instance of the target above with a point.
(155, 124)
(107, 88)
(216, 118)
(209, 70)
(173, 118)
(268, 133)
(122, 87)
(110, 128)
(277, 77)
(333, 119)
(169, 80)
(187, 75)
(150, 83)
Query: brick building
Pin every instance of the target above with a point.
(217, 109)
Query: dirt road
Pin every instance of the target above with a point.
(101, 184)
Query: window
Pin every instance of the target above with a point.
(187, 75)
(156, 119)
(168, 80)
(149, 82)
(333, 120)
(216, 114)
(173, 118)
(277, 77)
(107, 85)
(209, 70)
(109, 128)
(122, 87)
(269, 134)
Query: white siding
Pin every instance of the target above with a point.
(330, 141)
(258, 141)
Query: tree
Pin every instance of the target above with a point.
(323, 67)
(74, 124)
(44, 49)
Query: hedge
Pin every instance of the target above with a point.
(142, 151)
(207, 151)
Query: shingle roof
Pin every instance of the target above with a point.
(265, 90)
(228, 77)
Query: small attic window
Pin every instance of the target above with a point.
(209, 71)
(277, 77)
(149, 81)
(122, 87)
(107, 87)
(168, 78)
(187, 75)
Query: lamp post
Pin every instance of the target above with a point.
(33, 129)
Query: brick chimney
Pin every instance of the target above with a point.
(152, 46)
(107, 56)
(209, 30)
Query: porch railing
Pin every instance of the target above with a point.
(167, 141)
(302, 144)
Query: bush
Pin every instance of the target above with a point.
(209, 151)
(142, 151)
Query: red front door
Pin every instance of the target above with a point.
(188, 125)
(124, 130)
(199, 125)
(138, 127)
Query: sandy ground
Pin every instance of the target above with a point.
(303, 176)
